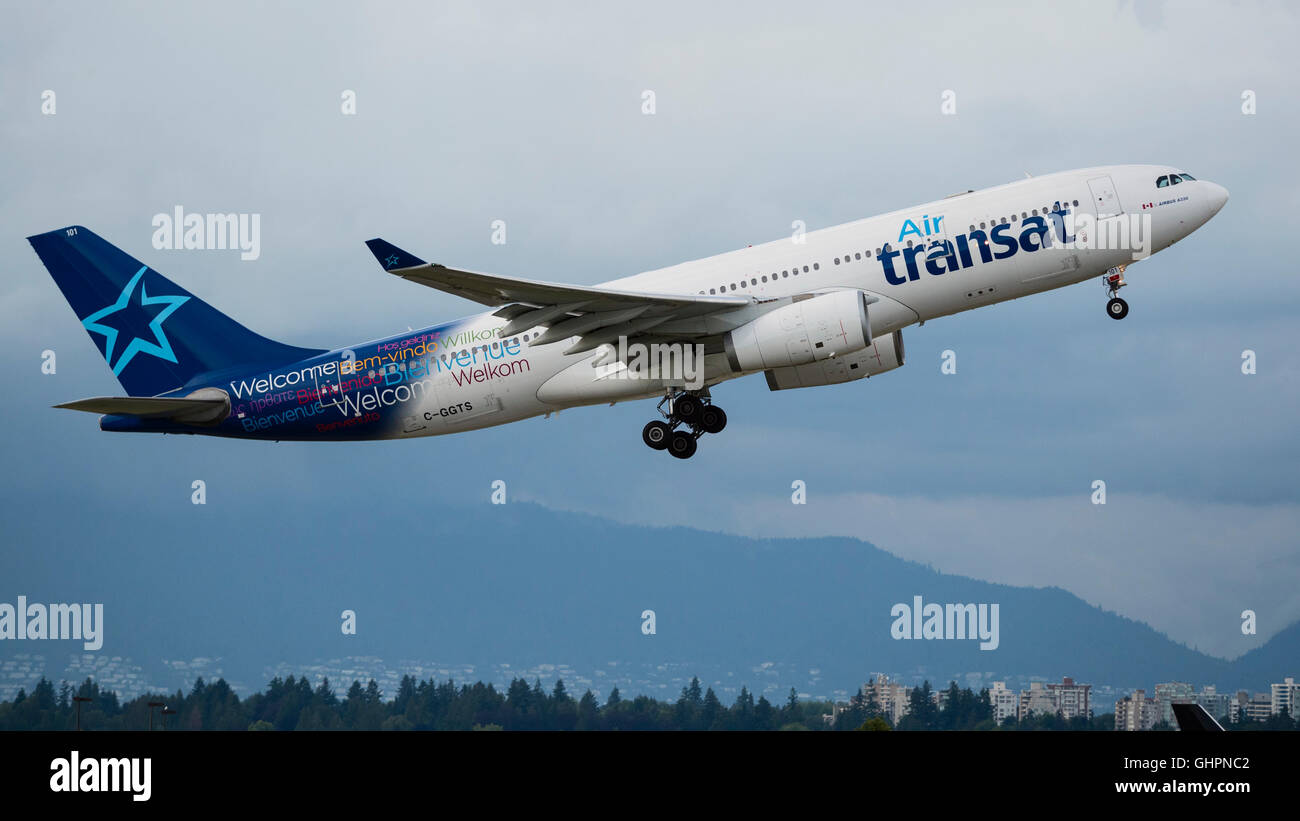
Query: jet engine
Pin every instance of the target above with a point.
(810, 329)
(883, 354)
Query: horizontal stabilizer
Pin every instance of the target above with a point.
(203, 411)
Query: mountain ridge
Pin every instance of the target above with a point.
(525, 584)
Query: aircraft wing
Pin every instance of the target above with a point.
(596, 315)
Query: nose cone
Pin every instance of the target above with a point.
(1218, 196)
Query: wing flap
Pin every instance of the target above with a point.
(534, 317)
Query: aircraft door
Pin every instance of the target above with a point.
(1104, 199)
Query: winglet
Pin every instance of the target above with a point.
(390, 256)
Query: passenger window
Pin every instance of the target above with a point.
(805, 269)
(837, 260)
(713, 290)
(765, 277)
(816, 266)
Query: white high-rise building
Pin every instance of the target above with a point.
(1215, 703)
(1168, 694)
(1006, 703)
(1285, 696)
(1072, 700)
(1246, 707)
(1136, 712)
(1037, 700)
(891, 696)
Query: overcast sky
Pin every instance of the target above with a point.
(764, 114)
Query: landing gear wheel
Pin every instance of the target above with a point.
(681, 444)
(1117, 308)
(713, 419)
(687, 408)
(656, 434)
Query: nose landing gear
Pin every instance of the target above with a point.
(1113, 279)
(690, 415)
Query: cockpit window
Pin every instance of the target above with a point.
(1174, 179)
(1163, 182)
(1188, 178)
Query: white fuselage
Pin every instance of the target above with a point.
(1086, 207)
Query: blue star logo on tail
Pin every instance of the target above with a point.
(391, 261)
(160, 347)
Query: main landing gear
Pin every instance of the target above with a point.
(1113, 279)
(690, 415)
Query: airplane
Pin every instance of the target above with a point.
(1193, 718)
(817, 308)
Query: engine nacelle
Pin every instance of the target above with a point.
(808, 330)
(884, 354)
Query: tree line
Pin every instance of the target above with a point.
(294, 704)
